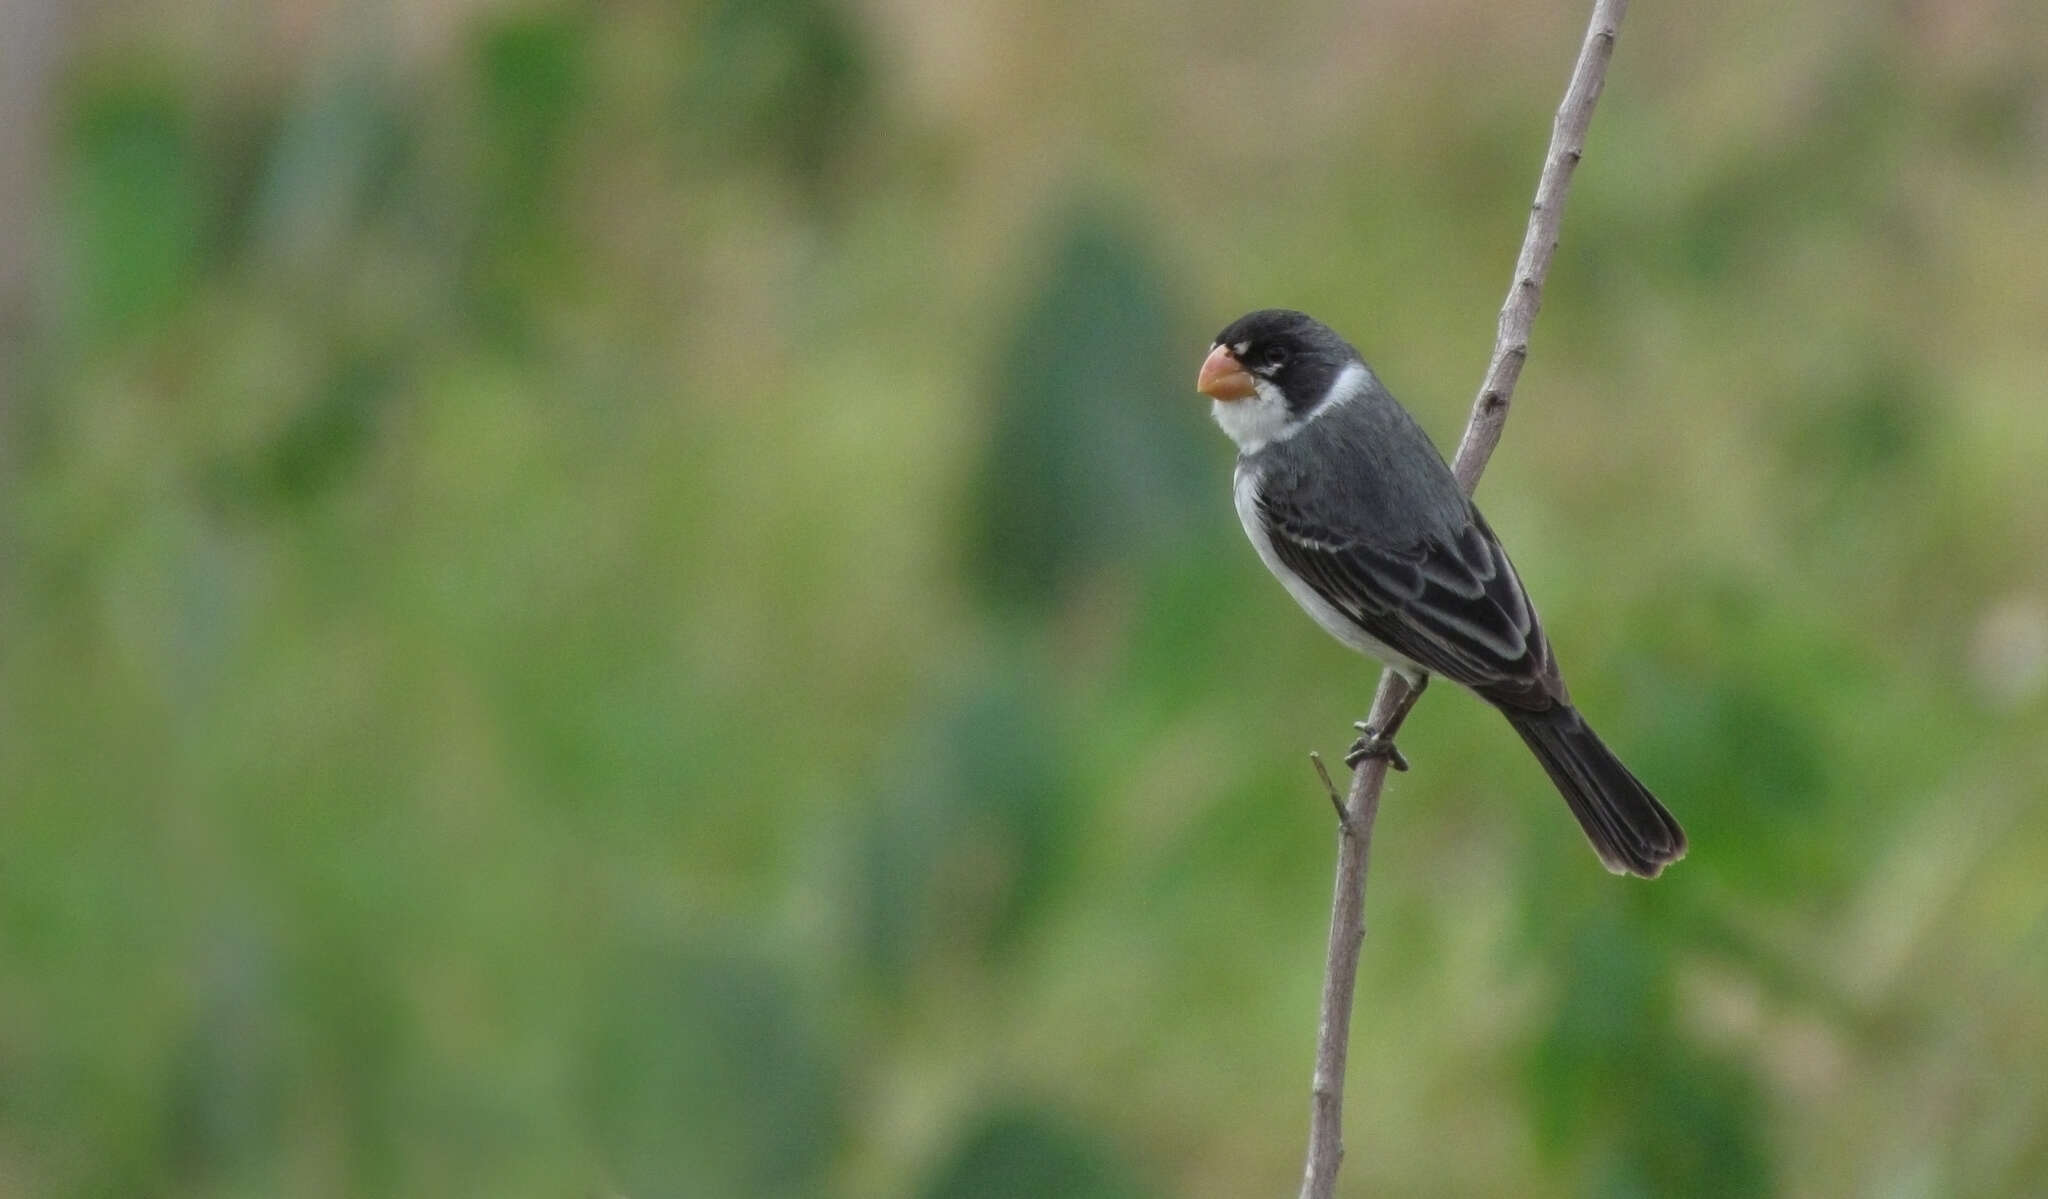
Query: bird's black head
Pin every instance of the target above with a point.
(1298, 354)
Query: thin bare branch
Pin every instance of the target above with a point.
(1391, 703)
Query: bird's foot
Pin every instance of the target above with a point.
(1371, 744)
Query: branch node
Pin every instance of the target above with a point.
(1336, 801)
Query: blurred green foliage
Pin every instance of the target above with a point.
(137, 206)
(1077, 474)
(1015, 1155)
(705, 1078)
(634, 599)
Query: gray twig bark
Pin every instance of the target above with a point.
(1391, 703)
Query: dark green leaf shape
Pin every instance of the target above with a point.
(135, 213)
(1614, 1076)
(534, 76)
(1751, 765)
(1094, 455)
(1864, 429)
(787, 81)
(706, 1078)
(964, 843)
(1023, 1154)
(318, 449)
(1612, 1017)
(1697, 1127)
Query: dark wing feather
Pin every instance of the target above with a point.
(1452, 605)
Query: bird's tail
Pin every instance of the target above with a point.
(1629, 829)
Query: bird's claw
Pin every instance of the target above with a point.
(1371, 745)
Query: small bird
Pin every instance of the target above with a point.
(1351, 506)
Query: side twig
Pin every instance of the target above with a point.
(1391, 703)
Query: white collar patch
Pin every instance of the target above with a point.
(1262, 418)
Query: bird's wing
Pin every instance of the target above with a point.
(1453, 605)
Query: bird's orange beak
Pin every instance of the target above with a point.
(1223, 377)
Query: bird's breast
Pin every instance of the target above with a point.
(1245, 487)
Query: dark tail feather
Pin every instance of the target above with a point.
(1630, 830)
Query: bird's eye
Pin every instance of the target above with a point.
(1273, 357)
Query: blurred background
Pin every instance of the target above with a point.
(633, 599)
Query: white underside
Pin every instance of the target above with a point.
(1245, 486)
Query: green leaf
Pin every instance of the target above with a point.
(135, 207)
(964, 843)
(534, 76)
(1022, 1154)
(781, 80)
(706, 1078)
(1094, 456)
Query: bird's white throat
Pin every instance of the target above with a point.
(1262, 418)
